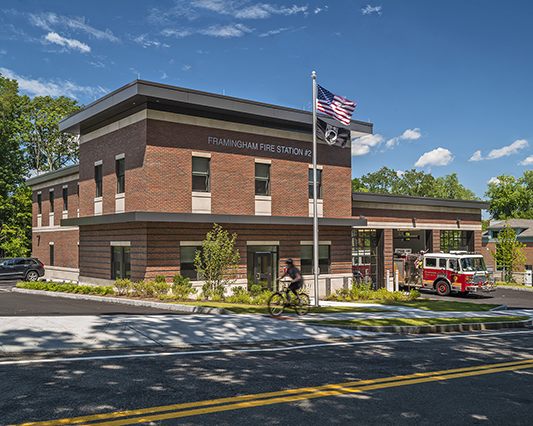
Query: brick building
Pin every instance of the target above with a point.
(159, 165)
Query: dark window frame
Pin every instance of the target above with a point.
(39, 204)
(324, 262)
(51, 198)
(201, 177)
(262, 182)
(121, 266)
(120, 170)
(65, 199)
(98, 180)
(318, 183)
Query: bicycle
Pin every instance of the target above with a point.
(282, 299)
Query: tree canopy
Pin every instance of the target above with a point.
(511, 197)
(412, 182)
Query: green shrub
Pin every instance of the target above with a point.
(262, 298)
(242, 297)
(160, 279)
(255, 290)
(122, 286)
(414, 294)
(160, 288)
(236, 291)
(182, 287)
(138, 289)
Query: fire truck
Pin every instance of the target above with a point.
(459, 271)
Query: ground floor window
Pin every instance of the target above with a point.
(324, 259)
(365, 252)
(51, 255)
(187, 266)
(120, 263)
(456, 240)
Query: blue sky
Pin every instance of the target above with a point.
(447, 84)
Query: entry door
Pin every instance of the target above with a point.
(263, 269)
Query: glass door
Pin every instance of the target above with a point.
(263, 269)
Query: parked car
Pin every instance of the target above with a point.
(25, 268)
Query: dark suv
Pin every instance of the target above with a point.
(26, 268)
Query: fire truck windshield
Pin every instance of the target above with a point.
(473, 264)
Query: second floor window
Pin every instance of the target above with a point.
(98, 180)
(121, 176)
(39, 204)
(200, 174)
(51, 201)
(65, 199)
(318, 183)
(262, 179)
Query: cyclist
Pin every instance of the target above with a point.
(296, 279)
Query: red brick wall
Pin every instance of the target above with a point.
(290, 188)
(155, 247)
(65, 247)
(336, 191)
(131, 141)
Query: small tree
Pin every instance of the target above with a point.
(217, 262)
(509, 252)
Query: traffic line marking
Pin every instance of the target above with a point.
(257, 400)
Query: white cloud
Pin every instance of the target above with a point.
(145, 42)
(362, 145)
(48, 21)
(476, 156)
(3, 52)
(57, 88)
(527, 161)
(273, 32)
(371, 9)
(437, 157)
(408, 135)
(494, 180)
(186, 67)
(508, 150)
(67, 42)
(263, 11)
(400, 173)
(227, 31)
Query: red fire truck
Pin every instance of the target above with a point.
(458, 271)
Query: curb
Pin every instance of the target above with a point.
(425, 329)
(165, 306)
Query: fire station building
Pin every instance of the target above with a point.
(159, 165)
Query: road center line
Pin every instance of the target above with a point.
(254, 350)
(270, 398)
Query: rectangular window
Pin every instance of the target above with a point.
(51, 255)
(456, 240)
(65, 199)
(187, 268)
(324, 259)
(431, 262)
(200, 174)
(39, 204)
(318, 183)
(262, 179)
(121, 175)
(51, 201)
(120, 262)
(98, 180)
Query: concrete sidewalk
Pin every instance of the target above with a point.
(55, 333)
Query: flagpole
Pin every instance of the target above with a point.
(315, 215)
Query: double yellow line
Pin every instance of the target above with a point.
(175, 411)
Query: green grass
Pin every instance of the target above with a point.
(504, 284)
(436, 305)
(419, 321)
(239, 308)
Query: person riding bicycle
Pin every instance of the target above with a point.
(296, 278)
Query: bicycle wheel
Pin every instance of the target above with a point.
(303, 307)
(276, 304)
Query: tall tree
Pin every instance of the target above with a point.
(15, 198)
(509, 252)
(511, 198)
(412, 182)
(47, 148)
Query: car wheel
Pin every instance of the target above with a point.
(443, 288)
(32, 276)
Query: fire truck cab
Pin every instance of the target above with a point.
(458, 271)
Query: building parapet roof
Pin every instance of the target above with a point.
(56, 174)
(139, 92)
(370, 197)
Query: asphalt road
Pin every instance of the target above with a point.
(472, 378)
(20, 304)
(513, 299)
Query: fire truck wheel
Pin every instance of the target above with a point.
(443, 288)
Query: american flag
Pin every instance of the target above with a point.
(334, 106)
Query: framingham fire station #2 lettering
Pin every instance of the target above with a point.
(280, 149)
